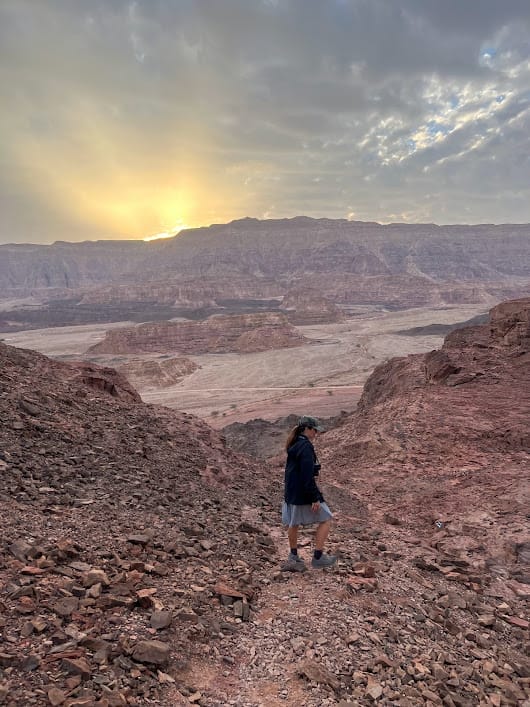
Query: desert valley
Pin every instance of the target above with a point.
(146, 390)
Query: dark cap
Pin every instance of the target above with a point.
(310, 422)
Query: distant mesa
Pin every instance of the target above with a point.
(184, 293)
(241, 333)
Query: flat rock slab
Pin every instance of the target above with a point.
(155, 652)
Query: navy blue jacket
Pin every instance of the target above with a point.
(301, 468)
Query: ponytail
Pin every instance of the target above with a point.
(293, 434)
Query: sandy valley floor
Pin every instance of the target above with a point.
(322, 377)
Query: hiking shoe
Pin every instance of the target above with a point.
(294, 564)
(324, 561)
(295, 558)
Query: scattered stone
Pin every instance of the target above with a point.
(486, 620)
(374, 689)
(356, 584)
(160, 619)
(154, 652)
(319, 674)
(66, 606)
(95, 576)
(142, 540)
(56, 697)
(77, 666)
(516, 621)
(228, 591)
(20, 549)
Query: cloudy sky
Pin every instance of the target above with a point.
(125, 119)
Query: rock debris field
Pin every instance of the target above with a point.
(141, 559)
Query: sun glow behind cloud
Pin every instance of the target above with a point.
(100, 173)
(131, 119)
(169, 233)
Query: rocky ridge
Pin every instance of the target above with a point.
(244, 333)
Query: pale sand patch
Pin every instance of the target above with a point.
(271, 384)
(61, 341)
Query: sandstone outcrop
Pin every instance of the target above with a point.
(245, 333)
(157, 373)
(264, 439)
(307, 306)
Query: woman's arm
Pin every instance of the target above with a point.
(307, 476)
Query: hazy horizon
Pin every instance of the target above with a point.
(136, 118)
(245, 218)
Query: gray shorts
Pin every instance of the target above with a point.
(303, 515)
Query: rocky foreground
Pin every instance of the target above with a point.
(140, 559)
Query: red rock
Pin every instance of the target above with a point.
(357, 583)
(29, 569)
(95, 576)
(516, 621)
(155, 652)
(228, 591)
(77, 666)
(160, 619)
(66, 606)
(56, 697)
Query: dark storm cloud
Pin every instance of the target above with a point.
(365, 108)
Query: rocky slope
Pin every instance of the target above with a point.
(245, 333)
(121, 530)
(140, 559)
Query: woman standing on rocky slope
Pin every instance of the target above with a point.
(303, 501)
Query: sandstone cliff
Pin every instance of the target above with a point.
(379, 259)
(185, 292)
(244, 333)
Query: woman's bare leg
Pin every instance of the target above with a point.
(322, 534)
(292, 534)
